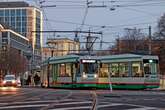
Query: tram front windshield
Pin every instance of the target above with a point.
(89, 67)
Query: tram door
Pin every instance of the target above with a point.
(151, 70)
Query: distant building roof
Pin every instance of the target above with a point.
(49, 40)
(13, 4)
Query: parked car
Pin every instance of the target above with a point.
(10, 80)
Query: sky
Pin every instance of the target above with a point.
(112, 19)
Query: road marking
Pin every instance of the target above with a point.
(110, 105)
(146, 108)
(29, 102)
(3, 103)
(69, 103)
(87, 107)
(72, 108)
(140, 106)
(50, 105)
(41, 105)
(23, 106)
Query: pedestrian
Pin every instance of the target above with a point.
(29, 80)
(36, 79)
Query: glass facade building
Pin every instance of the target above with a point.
(16, 19)
(24, 19)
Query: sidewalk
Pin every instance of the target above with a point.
(30, 86)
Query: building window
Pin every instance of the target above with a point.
(7, 20)
(1, 13)
(24, 12)
(7, 13)
(1, 19)
(18, 19)
(24, 19)
(13, 13)
(13, 19)
(18, 12)
(4, 34)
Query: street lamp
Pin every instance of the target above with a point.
(51, 46)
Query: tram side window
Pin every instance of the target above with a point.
(104, 70)
(65, 70)
(74, 69)
(136, 69)
(62, 70)
(68, 70)
(114, 68)
(123, 70)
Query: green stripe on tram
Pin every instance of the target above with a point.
(105, 86)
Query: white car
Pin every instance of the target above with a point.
(10, 80)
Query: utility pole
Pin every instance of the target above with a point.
(150, 41)
(88, 44)
(90, 41)
(101, 42)
(118, 44)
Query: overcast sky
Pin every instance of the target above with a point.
(69, 14)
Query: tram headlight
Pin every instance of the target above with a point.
(84, 76)
(95, 75)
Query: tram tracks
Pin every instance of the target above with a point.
(57, 101)
(95, 101)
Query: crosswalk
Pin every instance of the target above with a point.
(69, 104)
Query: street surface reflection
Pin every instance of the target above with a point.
(8, 90)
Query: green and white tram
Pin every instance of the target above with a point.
(125, 71)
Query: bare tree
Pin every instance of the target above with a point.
(160, 34)
(12, 61)
(131, 42)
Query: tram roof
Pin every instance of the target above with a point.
(126, 57)
(108, 58)
(130, 56)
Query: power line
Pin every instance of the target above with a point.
(85, 15)
(72, 6)
(135, 5)
(105, 26)
(137, 10)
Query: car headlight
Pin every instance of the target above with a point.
(95, 75)
(4, 82)
(13, 81)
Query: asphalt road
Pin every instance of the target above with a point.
(58, 99)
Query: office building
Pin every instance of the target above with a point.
(25, 20)
(13, 52)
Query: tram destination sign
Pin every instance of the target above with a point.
(88, 61)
